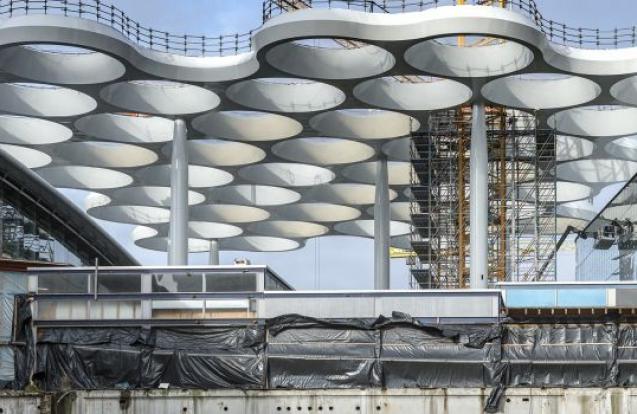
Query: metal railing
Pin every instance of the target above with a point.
(557, 32)
(232, 44)
(108, 14)
(147, 292)
(90, 294)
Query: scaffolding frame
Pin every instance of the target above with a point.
(522, 199)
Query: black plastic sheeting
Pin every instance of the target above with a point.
(298, 352)
(199, 357)
(396, 352)
(23, 347)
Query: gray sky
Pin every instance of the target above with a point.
(333, 262)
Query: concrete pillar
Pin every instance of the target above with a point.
(381, 227)
(479, 200)
(178, 233)
(213, 257)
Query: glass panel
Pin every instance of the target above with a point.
(64, 255)
(607, 249)
(23, 238)
(64, 283)
(62, 309)
(106, 309)
(231, 282)
(119, 283)
(271, 283)
(274, 283)
(177, 282)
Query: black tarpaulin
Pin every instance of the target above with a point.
(426, 358)
(292, 351)
(298, 352)
(103, 358)
(24, 343)
(560, 355)
(396, 352)
(310, 353)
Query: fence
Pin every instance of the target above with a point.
(108, 14)
(557, 32)
(232, 44)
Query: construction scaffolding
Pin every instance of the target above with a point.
(21, 238)
(522, 199)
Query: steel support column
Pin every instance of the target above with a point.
(381, 227)
(213, 253)
(178, 234)
(479, 199)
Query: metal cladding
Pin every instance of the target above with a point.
(293, 127)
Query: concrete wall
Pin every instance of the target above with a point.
(13, 402)
(435, 401)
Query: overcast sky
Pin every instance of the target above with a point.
(332, 262)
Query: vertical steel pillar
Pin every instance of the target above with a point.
(381, 227)
(213, 253)
(502, 194)
(479, 199)
(462, 202)
(178, 233)
(514, 202)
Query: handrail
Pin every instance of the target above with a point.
(176, 296)
(232, 44)
(584, 37)
(150, 270)
(116, 18)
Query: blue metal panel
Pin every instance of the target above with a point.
(531, 298)
(581, 298)
(556, 298)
